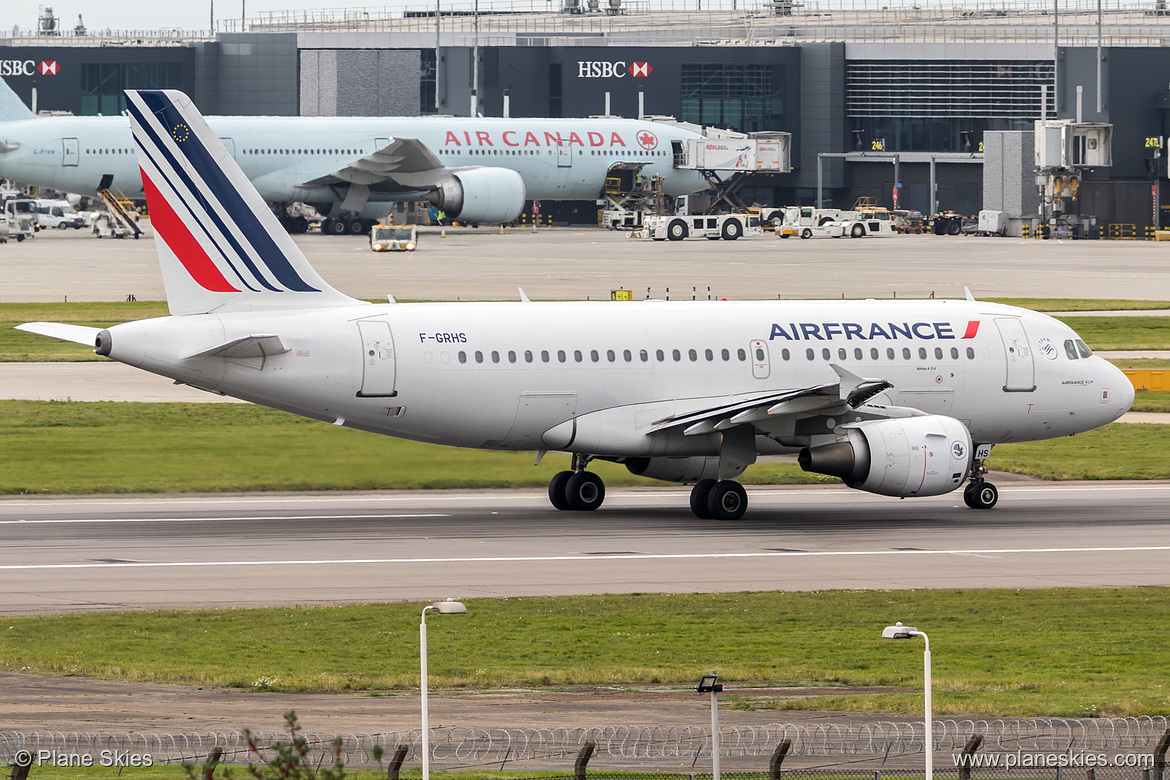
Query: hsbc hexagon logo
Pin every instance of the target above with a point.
(49, 68)
(647, 140)
(593, 69)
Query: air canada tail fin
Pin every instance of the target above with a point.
(219, 245)
(12, 108)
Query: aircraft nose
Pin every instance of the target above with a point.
(1121, 392)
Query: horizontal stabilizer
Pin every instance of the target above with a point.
(246, 347)
(79, 334)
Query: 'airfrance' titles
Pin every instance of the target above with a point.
(890, 331)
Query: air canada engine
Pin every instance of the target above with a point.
(481, 194)
(684, 470)
(910, 456)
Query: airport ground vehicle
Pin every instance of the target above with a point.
(388, 238)
(22, 218)
(948, 223)
(59, 214)
(729, 227)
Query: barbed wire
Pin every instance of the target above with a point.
(484, 746)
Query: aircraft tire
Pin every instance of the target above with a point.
(732, 230)
(980, 495)
(699, 494)
(334, 226)
(585, 491)
(556, 490)
(356, 227)
(677, 230)
(727, 500)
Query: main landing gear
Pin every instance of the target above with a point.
(577, 490)
(979, 493)
(718, 500)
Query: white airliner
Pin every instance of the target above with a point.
(897, 398)
(354, 168)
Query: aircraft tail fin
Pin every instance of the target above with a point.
(12, 108)
(219, 246)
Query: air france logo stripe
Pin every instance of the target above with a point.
(217, 197)
(184, 245)
(198, 219)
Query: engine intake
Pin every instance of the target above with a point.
(911, 456)
(481, 195)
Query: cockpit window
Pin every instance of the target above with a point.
(1070, 349)
(1083, 348)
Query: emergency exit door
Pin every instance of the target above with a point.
(1021, 370)
(379, 369)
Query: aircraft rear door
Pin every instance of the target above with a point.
(1021, 371)
(565, 155)
(70, 154)
(379, 371)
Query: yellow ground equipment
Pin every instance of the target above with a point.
(391, 238)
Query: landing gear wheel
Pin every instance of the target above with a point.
(677, 230)
(556, 490)
(356, 227)
(732, 230)
(727, 500)
(699, 494)
(585, 491)
(980, 495)
(334, 226)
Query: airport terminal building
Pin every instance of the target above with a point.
(856, 88)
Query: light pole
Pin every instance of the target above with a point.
(710, 685)
(448, 607)
(438, 65)
(899, 631)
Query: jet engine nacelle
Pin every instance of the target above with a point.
(685, 470)
(482, 195)
(912, 456)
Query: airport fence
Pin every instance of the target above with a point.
(1116, 748)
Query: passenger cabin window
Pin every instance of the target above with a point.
(741, 354)
(970, 353)
(810, 354)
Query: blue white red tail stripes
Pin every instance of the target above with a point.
(231, 251)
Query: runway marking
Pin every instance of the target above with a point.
(71, 520)
(576, 558)
(538, 494)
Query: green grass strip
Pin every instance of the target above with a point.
(1061, 652)
(106, 447)
(1081, 304)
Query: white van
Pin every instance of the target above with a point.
(58, 214)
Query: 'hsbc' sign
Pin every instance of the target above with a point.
(28, 68)
(593, 69)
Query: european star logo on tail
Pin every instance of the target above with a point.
(220, 247)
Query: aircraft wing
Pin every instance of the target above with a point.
(849, 391)
(405, 162)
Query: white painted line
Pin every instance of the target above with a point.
(72, 520)
(575, 558)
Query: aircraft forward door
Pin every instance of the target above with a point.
(379, 369)
(70, 155)
(1021, 370)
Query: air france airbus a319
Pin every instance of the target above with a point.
(894, 397)
(354, 168)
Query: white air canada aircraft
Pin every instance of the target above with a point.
(894, 397)
(354, 168)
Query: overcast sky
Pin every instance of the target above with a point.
(155, 14)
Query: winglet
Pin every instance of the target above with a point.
(967, 292)
(523, 297)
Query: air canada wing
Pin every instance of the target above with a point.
(849, 391)
(405, 162)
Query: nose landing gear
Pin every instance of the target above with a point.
(979, 493)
